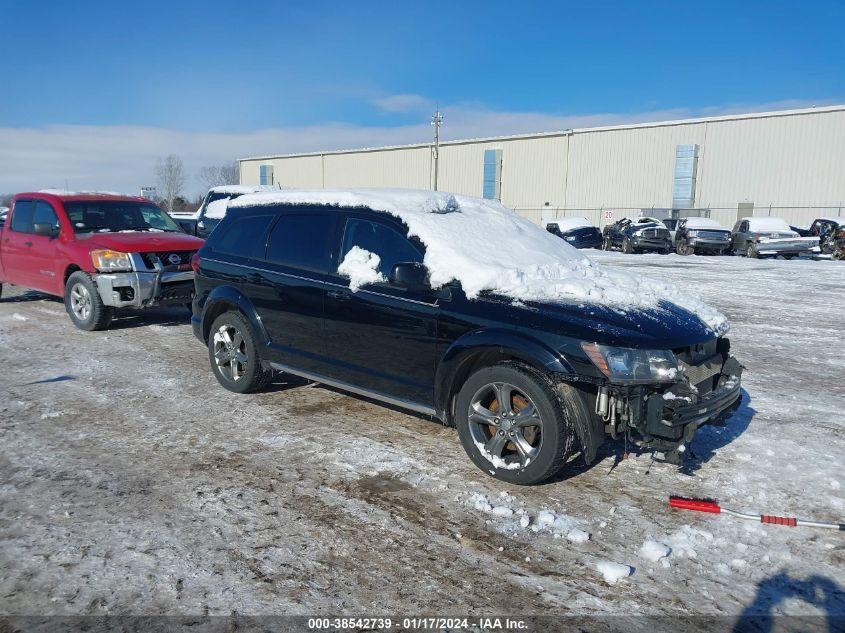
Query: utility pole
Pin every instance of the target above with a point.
(436, 121)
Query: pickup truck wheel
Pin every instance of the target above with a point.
(84, 305)
(514, 424)
(626, 246)
(684, 249)
(606, 244)
(234, 355)
(752, 252)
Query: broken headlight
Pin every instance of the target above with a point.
(625, 365)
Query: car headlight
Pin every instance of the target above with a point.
(107, 261)
(624, 365)
(692, 233)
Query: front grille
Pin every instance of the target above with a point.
(168, 259)
(714, 235)
(701, 364)
(697, 374)
(655, 233)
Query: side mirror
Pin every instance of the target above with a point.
(45, 229)
(410, 275)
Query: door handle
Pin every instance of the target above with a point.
(28, 243)
(339, 295)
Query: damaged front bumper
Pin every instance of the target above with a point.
(145, 289)
(665, 417)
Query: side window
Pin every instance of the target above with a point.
(302, 241)
(743, 228)
(244, 237)
(389, 244)
(22, 216)
(45, 214)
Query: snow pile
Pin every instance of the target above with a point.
(613, 572)
(242, 189)
(654, 550)
(577, 536)
(767, 224)
(704, 223)
(361, 267)
(487, 247)
(567, 224)
(217, 209)
(684, 542)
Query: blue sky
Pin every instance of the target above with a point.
(322, 75)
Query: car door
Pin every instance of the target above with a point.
(288, 285)
(740, 237)
(29, 259)
(17, 241)
(380, 337)
(40, 259)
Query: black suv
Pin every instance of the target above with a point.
(638, 235)
(526, 383)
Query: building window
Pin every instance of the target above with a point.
(492, 189)
(265, 175)
(683, 186)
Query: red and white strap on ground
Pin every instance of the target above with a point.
(706, 505)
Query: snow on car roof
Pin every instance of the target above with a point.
(703, 223)
(567, 224)
(243, 188)
(767, 223)
(488, 247)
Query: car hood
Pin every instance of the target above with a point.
(143, 242)
(666, 326)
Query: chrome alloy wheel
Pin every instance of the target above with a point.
(80, 301)
(505, 423)
(230, 352)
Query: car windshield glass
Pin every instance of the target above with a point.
(115, 216)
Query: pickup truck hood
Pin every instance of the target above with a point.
(666, 326)
(142, 241)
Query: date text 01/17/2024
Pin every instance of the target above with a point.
(416, 623)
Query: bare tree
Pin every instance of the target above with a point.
(170, 174)
(214, 175)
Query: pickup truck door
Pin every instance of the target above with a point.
(30, 259)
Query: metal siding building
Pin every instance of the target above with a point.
(789, 164)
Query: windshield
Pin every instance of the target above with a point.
(98, 216)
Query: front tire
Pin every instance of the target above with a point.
(626, 246)
(514, 424)
(233, 354)
(606, 244)
(84, 305)
(752, 252)
(684, 249)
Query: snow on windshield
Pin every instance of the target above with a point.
(217, 209)
(567, 224)
(487, 247)
(704, 223)
(768, 224)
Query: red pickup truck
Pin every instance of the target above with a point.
(98, 251)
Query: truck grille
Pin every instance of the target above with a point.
(168, 259)
(656, 233)
(714, 235)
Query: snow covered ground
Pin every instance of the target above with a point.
(130, 482)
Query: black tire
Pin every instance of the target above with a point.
(550, 441)
(752, 252)
(238, 357)
(626, 246)
(788, 256)
(84, 305)
(684, 249)
(606, 244)
(1, 291)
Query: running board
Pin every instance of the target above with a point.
(375, 395)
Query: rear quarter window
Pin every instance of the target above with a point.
(242, 236)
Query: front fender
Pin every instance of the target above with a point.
(453, 367)
(223, 298)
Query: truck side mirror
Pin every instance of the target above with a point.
(45, 229)
(410, 275)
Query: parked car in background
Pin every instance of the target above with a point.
(97, 251)
(397, 296)
(577, 232)
(213, 208)
(637, 235)
(701, 235)
(3, 212)
(769, 237)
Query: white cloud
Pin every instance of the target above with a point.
(123, 158)
(404, 103)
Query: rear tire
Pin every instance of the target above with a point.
(233, 354)
(84, 305)
(530, 438)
